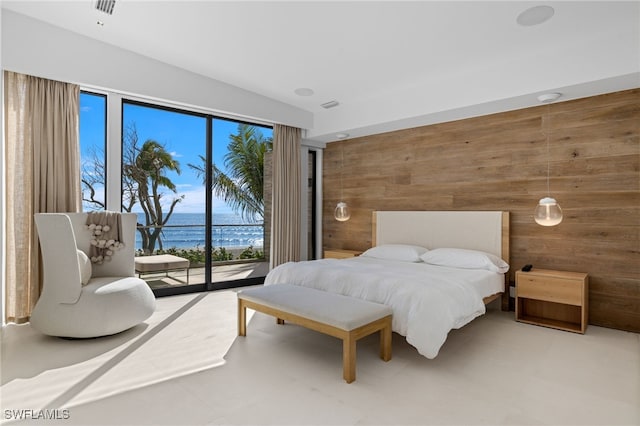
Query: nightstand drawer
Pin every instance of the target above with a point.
(550, 289)
(340, 253)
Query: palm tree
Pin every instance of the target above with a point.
(145, 174)
(242, 188)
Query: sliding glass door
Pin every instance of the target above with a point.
(196, 183)
(237, 213)
(168, 196)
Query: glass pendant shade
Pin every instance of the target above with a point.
(548, 212)
(342, 213)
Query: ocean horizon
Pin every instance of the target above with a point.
(187, 230)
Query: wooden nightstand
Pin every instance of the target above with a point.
(340, 253)
(554, 299)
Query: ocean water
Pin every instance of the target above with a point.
(187, 230)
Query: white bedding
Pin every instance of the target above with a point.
(427, 301)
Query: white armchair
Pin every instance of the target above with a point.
(112, 301)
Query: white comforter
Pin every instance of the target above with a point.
(427, 301)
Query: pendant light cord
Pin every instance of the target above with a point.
(548, 126)
(341, 167)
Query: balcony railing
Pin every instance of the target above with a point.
(235, 254)
(227, 239)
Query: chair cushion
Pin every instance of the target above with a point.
(160, 262)
(107, 305)
(85, 267)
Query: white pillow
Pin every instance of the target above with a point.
(464, 258)
(85, 267)
(399, 252)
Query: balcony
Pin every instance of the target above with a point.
(234, 255)
(222, 272)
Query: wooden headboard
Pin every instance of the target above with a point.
(487, 231)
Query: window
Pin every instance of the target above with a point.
(195, 181)
(93, 137)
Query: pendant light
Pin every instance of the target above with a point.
(548, 211)
(342, 213)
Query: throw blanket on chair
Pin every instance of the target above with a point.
(105, 230)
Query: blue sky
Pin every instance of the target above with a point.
(183, 135)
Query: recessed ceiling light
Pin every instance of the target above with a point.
(303, 91)
(342, 135)
(549, 97)
(535, 16)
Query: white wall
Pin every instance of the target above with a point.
(34, 47)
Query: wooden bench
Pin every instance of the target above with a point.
(161, 263)
(344, 317)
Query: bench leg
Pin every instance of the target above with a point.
(349, 358)
(242, 319)
(385, 343)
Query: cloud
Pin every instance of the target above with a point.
(194, 202)
(175, 154)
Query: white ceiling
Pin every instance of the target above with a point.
(389, 64)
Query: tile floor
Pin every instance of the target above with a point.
(186, 366)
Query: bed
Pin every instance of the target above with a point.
(436, 269)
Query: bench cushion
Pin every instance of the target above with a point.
(160, 262)
(343, 312)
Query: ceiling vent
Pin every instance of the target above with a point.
(105, 6)
(330, 104)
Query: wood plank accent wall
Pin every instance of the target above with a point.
(499, 162)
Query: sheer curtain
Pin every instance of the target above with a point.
(42, 173)
(286, 216)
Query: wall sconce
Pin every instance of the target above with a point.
(548, 211)
(342, 213)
